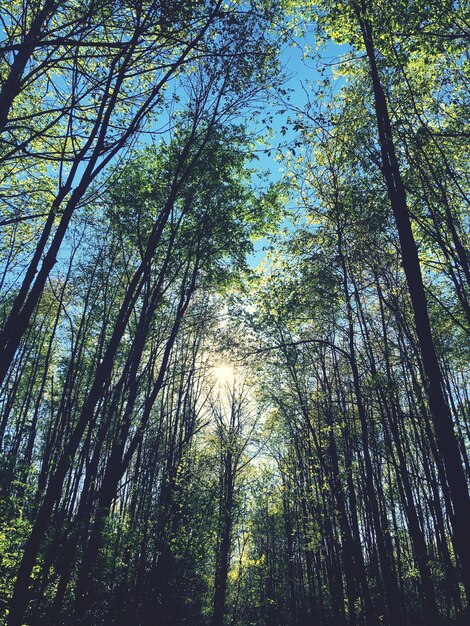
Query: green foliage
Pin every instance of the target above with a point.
(14, 530)
(313, 488)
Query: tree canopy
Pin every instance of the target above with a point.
(234, 313)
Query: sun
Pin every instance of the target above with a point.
(224, 375)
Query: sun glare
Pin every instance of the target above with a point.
(224, 375)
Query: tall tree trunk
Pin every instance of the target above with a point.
(223, 552)
(442, 418)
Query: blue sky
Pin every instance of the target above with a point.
(301, 73)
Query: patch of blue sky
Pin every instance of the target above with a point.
(303, 67)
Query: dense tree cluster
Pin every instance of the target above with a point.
(188, 439)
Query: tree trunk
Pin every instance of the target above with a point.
(442, 418)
